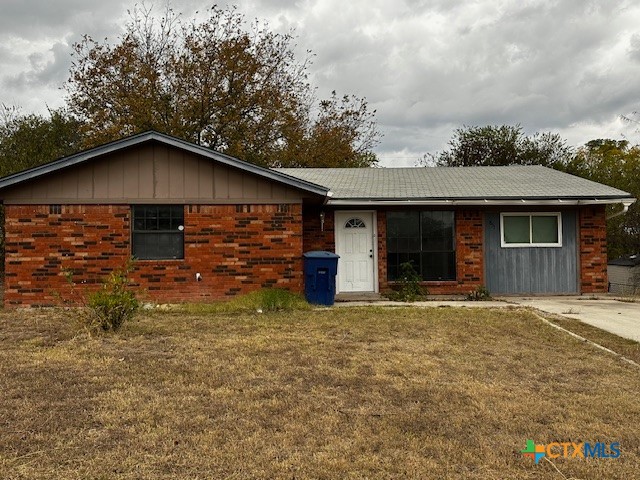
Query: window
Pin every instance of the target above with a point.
(531, 229)
(426, 239)
(158, 232)
(355, 223)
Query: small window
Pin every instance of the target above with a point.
(158, 232)
(355, 223)
(531, 229)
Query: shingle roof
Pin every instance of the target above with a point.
(455, 183)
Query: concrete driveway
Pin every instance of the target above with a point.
(621, 318)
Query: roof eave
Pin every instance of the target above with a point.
(480, 201)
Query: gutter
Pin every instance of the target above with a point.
(327, 198)
(625, 209)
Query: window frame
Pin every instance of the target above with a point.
(135, 231)
(531, 244)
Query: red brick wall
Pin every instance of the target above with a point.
(314, 237)
(236, 249)
(382, 250)
(593, 250)
(39, 247)
(469, 250)
(469, 255)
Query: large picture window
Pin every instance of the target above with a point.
(158, 232)
(426, 239)
(531, 229)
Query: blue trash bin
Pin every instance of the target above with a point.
(320, 270)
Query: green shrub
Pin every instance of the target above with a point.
(111, 306)
(481, 293)
(408, 285)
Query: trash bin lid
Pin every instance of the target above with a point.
(320, 254)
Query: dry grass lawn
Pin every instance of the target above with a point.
(345, 393)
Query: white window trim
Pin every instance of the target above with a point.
(558, 215)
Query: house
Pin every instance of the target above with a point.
(515, 229)
(206, 226)
(624, 275)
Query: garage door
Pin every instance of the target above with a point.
(522, 270)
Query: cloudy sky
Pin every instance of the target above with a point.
(426, 66)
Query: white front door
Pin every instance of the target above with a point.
(355, 245)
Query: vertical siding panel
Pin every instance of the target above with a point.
(116, 178)
(205, 179)
(570, 241)
(40, 189)
(278, 192)
(234, 184)
(531, 270)
(543, 276)
(249, 186)
(161, 172)
(54, 186)
(221, 182)
(523, 259)
(101, 180)
(131, 174)
(537, 267)
(70, 183)
(264, 189)
(21, 192)
(146, 178)
(176, 174)
(552, 273)
(85, 181)
(491, 270)
(289, 193)
(191, 177)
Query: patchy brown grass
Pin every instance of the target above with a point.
(343, 393)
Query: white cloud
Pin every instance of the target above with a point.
(426, 66)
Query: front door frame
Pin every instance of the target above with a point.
(341, 216)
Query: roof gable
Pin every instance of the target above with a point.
(82, 158)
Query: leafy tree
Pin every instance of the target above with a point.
(500, 145)
(221, 83)
(30, 140)
(615, 163)
(612, 162)
(343, 129)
